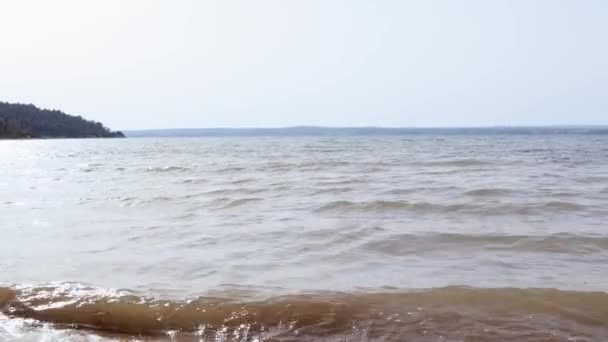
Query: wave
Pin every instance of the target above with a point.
(331, 190)
(129, 201)
(534, 150)
(563, 206)
(320, 164)
(482, 209)
(339, 182)
(193, 181)
(241, 201)
(409, 244)
(167, 169)
(452, 313)
(228, 203)
(233, 191)
(593, 179)
(489, 192)
(454, 162)
(230, 169)
(342, 206)
(242, 181)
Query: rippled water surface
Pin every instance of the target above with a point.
(421, 238)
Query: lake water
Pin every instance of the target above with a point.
(417, 238)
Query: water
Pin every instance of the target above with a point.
(417, 237)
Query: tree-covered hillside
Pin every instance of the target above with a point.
(28, 121)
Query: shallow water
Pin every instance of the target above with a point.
(421, 238)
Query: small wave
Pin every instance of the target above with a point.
(282, 187)
(192, 195)
(332, 191)
(125, 201)
(159, 199)
(223, 191)
(193, 181)
(87, 170)
(593, 179)
(241, 201)
(338, 182)
(403, 191)
(563, 194)
(489, 192)
(139, 201)
(387, 206)
(167, 169)
(454, 162)
(408, 244)
(563, 206)
(276, 167)
(243, 181)
(322, 165)
(230, 169)
(458, 312)
(227, 203)
(482, 209)
(322, 150)
(534, 150)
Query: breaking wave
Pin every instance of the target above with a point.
(460, 313)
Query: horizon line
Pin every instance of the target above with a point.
(571, 126)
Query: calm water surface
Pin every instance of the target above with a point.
(416, 238)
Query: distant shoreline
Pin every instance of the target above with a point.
(363, 131)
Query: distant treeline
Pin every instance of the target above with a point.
(363, 131)
(28, 121)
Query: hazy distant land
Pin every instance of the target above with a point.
(360, 131)
(19, 121)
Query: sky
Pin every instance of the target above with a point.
(141, 64)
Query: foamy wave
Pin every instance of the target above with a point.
(458, 312)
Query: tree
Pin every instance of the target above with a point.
(26, 120)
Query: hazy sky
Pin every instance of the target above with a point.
(253, 63)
